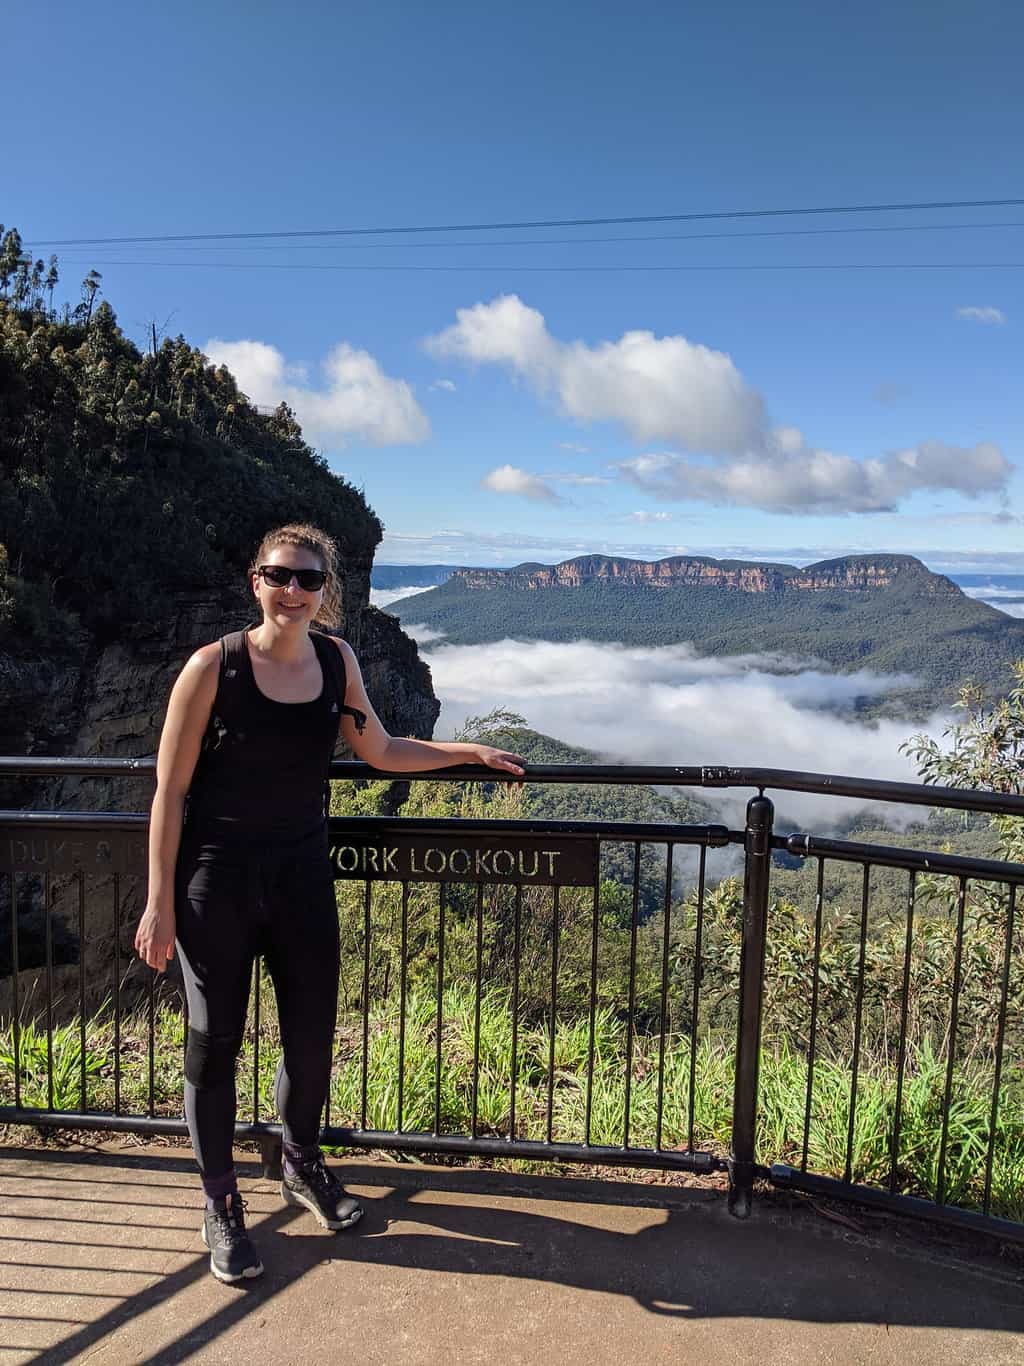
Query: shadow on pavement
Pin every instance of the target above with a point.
(674, 1252)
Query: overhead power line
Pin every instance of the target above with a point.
(631, 237)
(917, 206)
(280, 265)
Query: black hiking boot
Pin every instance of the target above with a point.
(314, 1186)
(232, 1255)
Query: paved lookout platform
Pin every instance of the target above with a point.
(102, 1262)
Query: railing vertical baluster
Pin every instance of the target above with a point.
(954, 1016)
(901, 1059)
(758, 844)
(15, 1002)
(402, 979)
(48, 899)
(476, 1004)
(439, 1023)
(667, 914)
(593, 1011)
(857, 1022)
(812, 1042)
(83, 1098)
(514, 1078)
(1000, 1036)
(256, 1043)
(365, 1069)
(151, 1013)
(554, 1009)
(631, 1009)
(117, 993)
(698, 941)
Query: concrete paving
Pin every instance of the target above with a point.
(102, 1262)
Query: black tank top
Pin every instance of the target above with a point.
(262, 771)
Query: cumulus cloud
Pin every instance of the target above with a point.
(787, 476)
(511, 479)
(694, 399)
(669, 705)
(982, 314)
(659, 388)
(650, 516)
(357, 399)
(575, 447)
(447, 385)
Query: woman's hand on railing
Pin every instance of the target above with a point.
(501, 758)
(154, 939)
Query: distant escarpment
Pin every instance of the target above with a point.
(882, 613)
(685, 571)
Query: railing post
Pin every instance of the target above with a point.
(270, 1156)
(742, 1165)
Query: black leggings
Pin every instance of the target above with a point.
(234, 902)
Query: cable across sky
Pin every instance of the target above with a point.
(690, 217)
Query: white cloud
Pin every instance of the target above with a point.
(447, 385)
(660, 388)
(681, 708)
(580, 480)
(575, 447)
(650, 516)
(358, 400)
(982, 314)
(694, 399)
(789, 477)
(421, 633)
(384, 597)
(510, 479)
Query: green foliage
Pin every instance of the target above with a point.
(124, 476)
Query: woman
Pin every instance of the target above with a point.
(238, 866)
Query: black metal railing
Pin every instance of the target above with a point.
(484, 1012)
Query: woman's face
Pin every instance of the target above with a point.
(289, 606)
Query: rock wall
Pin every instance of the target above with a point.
(108, 700)
(851, 573)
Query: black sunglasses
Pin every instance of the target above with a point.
(281, 575)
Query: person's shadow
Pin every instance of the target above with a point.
(675, 1252)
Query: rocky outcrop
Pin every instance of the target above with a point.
(108, 700)
(855, 572)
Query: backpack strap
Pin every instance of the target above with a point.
(336, 678)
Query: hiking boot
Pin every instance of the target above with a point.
(315, 1186)
(232, 1255)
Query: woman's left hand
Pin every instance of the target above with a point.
(501, 758)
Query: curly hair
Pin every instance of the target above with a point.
(310, 538)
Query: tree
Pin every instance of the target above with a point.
(90, 288)
(985, 750)
(52, 278)
(10, 257)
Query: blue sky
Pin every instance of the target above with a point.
(494, 414)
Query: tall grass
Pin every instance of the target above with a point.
(782, 1089)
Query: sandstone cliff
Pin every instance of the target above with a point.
(854, 572)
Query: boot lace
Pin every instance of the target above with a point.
(230, 1222)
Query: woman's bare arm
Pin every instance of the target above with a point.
(188, 713)
(393, 754)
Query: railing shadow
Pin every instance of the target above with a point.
(675, 1254)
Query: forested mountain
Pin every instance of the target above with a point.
(410, 575)
(126, 473)
(134, 486)
(889, 614)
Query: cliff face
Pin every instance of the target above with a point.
(109, 701)
(853, 573)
